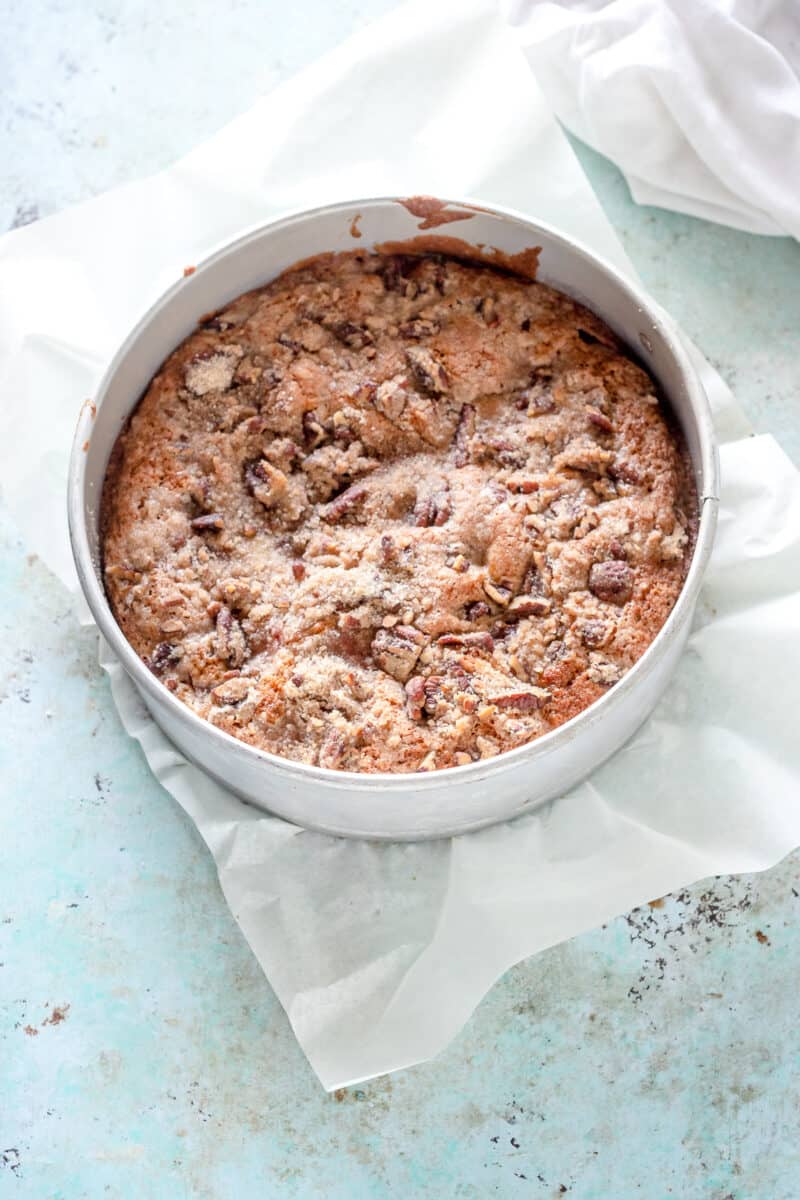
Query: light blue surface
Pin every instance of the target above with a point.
(656, 1057)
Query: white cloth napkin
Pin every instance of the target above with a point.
(697, 101)
(379, 953)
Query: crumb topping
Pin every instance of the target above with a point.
(396, 513)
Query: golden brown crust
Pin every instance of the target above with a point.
(395, 513)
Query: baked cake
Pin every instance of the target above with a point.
(396, 513)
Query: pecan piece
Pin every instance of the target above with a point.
(314, 430)
(604, 672)
(352, 335)
(434, 509)
(582, 453)
(230, 642)
(499, 592)
(594, 634)
(415, 697)
(266, 483)
(388, 550)
(344, 503)
(217, 323)
(476, 610)
(627, 472)
(164, 655)
(396, 650)
(599, 420)
(428, 371)
(469, 641)
(433, 694)
(249, 370)
(537, 399)
(464, 431)
(524, 487)
(611, 581)
(391, 397)
(526, 701)
(396, 272)
(419, 327)
(209, 521)
(298, 570)
(529, 606)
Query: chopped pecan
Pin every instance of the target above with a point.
(290, 343)
(232, 691)
(616, 549)
(499, 592)
(209, 521)
(352, 335)
(271, 377)
(533, 584)
(298, 570)
(526, 701)
(524, 486)
(415, 697)
(537, 399)
(611, 581)
(434, 509)
(391, 397)
(603, 672)
(419, 327)
(219, 323)
(396, 650)
(476, 610)
(342, 431)
(428, 371)
(469, 641)
(388, 550)
(164, 655)
(599, 420)
(464, 431)
(627, 472)
(582, 453)
(344, 503)
(529, 606)
(314, 430)
(249, 370)
(230, 641)
(396, 271)
(434, 694)
(594, 633)
(266, 482)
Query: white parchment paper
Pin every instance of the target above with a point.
(379, 953)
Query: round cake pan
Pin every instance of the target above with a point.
(457, 799)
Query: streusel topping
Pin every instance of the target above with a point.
(396, 513)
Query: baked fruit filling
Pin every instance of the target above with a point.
(396, 513)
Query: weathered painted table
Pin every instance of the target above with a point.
(143, 1053)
